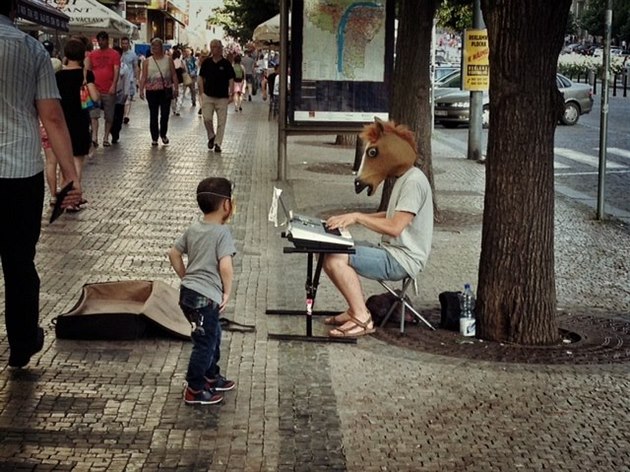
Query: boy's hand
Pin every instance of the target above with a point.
(224, 301)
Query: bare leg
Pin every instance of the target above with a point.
(95, 131)
(108, 129)
(78, 165)
(348, 283)
(51, 172)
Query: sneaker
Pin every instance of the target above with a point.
(217, 148)
(19, 359)
(201, 397)
(211, 143)
(165, 140)
(220, 384)
(154, 143)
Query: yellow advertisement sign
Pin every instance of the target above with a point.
(476, 60)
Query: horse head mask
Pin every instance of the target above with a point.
(390, 151)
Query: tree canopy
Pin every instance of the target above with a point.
(239, 18)
(592, 19)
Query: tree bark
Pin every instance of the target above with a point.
(516, 290)
(411, 93)
(345, 139)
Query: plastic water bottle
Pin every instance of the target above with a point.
(467, 310)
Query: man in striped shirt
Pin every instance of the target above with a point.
(28, 91)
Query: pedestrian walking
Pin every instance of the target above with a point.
(206, 287)
(29, 93)
(159, 79)
(105, 64)
(239, 83)
(217, 85)
(130, 58)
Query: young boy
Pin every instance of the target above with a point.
(205, 288)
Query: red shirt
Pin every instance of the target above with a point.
(103, 63)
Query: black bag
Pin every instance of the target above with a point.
(379, 306)
(449, 303)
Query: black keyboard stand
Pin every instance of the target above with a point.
(312, 281)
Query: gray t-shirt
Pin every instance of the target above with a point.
(205, 244)
(411, 193)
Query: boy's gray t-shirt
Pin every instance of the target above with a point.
(205, 244)
(411, 193)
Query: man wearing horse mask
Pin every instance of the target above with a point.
(406, 227)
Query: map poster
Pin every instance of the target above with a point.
(341, 60)
(476, 60)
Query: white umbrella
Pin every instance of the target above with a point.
(90, 17)
(269, 31)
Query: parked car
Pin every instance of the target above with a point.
(452, 105)
(442, 71)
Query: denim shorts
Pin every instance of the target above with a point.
(374, 262)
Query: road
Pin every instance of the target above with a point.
(577, 156)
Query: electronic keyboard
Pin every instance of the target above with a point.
(306, 231)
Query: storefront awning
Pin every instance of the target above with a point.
(42, 14)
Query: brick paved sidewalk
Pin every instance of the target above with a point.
(371, 407)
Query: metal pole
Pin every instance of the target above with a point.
(284, 68)
(603, 128)
(475, 124)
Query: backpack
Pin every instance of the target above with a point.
(379, 306)
(450, 311)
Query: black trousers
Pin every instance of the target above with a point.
(160, 106)
(21, 205)
(119, 113)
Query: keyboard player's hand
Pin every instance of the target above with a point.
(341, 221)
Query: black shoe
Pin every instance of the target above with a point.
(199, 112)
(19, 359)
(211, 143)
(165, 140)
(249, 99)
(217, 148)
(126, 121)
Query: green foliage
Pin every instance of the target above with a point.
(455, 15)
(593, 19)
(239, 18)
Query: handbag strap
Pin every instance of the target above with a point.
(160, 71)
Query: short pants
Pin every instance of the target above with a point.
(374, 262)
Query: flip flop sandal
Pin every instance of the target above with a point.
(334, 321)
(346, 333)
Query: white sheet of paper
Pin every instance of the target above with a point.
(273, 211)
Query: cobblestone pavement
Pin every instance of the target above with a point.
(96, 405)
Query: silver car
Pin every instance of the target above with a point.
(452, 105)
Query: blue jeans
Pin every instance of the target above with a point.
(206, 350)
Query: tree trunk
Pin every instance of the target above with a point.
(346, 139)
(516, 292)
(410, 104)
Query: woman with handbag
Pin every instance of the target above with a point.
(73, 82)
(159, 79)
